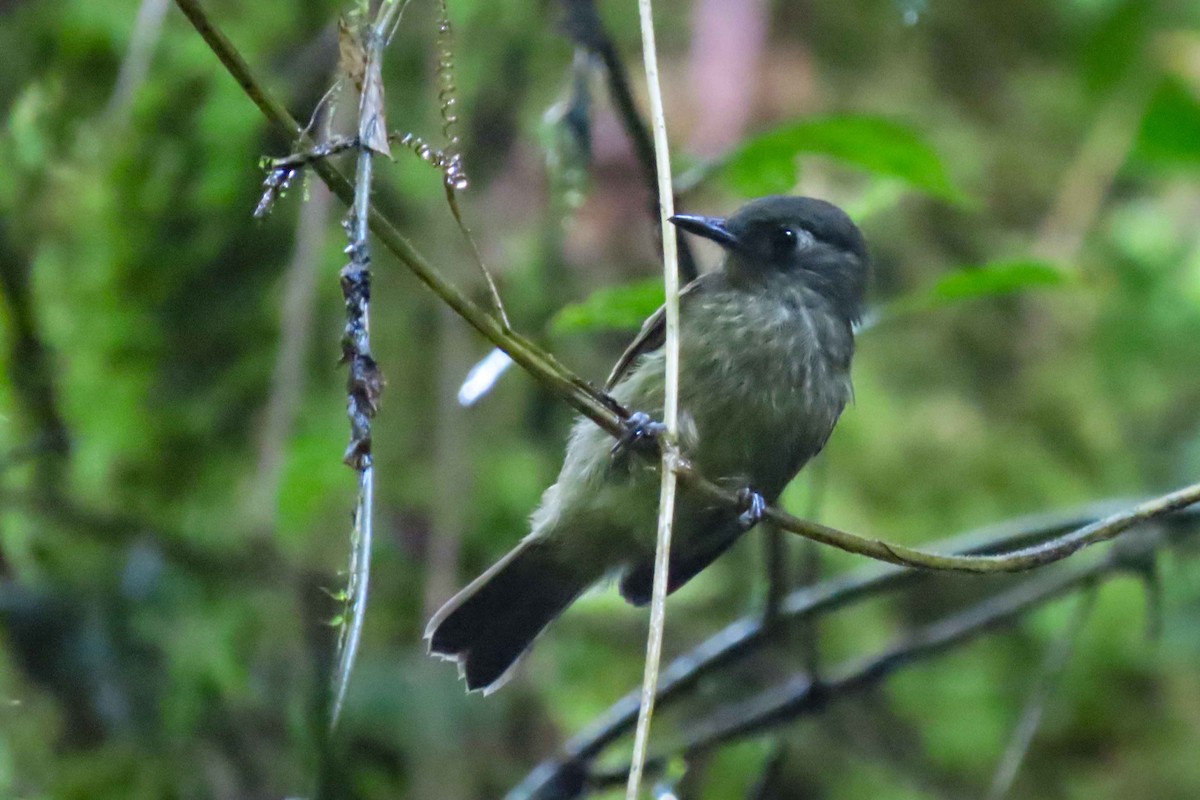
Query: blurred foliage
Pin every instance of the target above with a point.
(165, 627)
(766, 163)
(992, 280)
(622, 307)
(1170, 132)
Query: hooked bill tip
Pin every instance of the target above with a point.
(712, 228)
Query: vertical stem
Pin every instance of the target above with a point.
(775, 561)
(147, 31)
(364, 383)
(1052, 666)
(666, 505)
(356, 281)
(360, 573)
(810, 565)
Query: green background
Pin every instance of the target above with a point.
(1026, 173)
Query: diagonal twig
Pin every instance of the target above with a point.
(587, 30)
(744, 637)
(608, 414)
(798, 697)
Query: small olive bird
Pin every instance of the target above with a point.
(764, 372)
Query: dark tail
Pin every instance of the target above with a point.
(488, 625)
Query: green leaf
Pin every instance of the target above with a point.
(766, 164)
(1170, 133)
(994, 279)
(761, 167)
(613, 307)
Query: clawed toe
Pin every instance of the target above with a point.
(640, 435)
(754, 507)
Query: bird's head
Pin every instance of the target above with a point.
(810, 240)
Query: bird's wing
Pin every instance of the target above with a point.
(653, 333)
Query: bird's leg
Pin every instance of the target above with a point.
(640, 434)
(753, 505)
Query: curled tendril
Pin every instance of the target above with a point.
(449, 163)
(448, 159)
(451, 158)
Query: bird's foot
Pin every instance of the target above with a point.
(753, 506)
(640, 435)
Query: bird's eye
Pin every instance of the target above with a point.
(784, 241)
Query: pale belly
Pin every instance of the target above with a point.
(753, 420)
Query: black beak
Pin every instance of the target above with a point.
(709, 227)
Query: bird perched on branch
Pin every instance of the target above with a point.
(764, 373)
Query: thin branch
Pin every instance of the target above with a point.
(364, 382)
(454, 173)
(608, 414)
(1016, 561)
(775, 566)
(769, 781)
(746, 636)
(585, 27)
(810, 565)
(1055, 661)
(357, 584)
(332, 146)
(147, 30)
(873, 731)
(800, 697)
(282, 171)
(666, 501)
(493, 292)
(541, 365)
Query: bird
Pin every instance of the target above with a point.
(765, 347)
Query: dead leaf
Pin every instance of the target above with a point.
(372, 123)
(352, 56)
